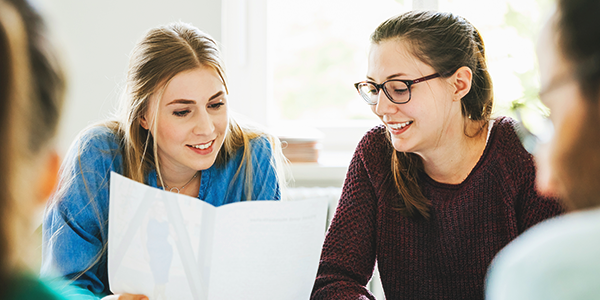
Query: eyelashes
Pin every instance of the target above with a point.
(181, 113)
(216, 105)
(185, 112)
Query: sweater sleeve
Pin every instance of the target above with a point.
(75, 223)
(348, 255)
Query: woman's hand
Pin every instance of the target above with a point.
(125, 297)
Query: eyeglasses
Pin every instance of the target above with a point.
(397, 90)
(534, 126)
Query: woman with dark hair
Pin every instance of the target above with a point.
(440, 188)
(558, 259)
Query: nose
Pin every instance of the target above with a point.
(384, 106)
(203, 123)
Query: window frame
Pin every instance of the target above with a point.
(246, 52)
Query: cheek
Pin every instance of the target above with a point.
(221, 122)
(545, 178)
(169, 132)
(557, 159)
(567, 116)
(165, 136)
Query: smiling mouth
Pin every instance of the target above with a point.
(398, 126)
(202, 146)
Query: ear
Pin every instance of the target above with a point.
(144, 123)
(49, 177)
(463, 77)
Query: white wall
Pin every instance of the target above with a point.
(96, 38)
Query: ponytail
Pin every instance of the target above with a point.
(446, 42)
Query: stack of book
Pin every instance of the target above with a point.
(301, 146)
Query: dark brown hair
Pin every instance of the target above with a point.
(578, 28)
(446, 42)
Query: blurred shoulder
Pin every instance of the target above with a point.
(555, 259)
(27, 286)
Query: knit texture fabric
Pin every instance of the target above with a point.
(445, 257)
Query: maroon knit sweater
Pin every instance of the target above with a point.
(445, 257)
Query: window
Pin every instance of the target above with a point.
(314, 50)
(319, 49)
(509, 29)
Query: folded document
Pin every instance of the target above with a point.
(171, 246)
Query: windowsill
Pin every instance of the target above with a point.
(336, 149)
(329, 171)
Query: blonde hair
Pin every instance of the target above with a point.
(31, 97)
(162, 53)
(159, 56)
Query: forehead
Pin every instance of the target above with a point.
(395, 56)
(194, 83)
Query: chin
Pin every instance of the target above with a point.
(205, 164)
(402, 145)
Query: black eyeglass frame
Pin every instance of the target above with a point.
(379, 87)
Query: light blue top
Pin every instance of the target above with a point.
(556, 259)
(75, 226)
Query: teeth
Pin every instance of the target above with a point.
(204, 146)
(399, 125)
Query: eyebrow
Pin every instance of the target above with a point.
(181, 101)
(389, 77)
(187, 101)
(217, 95)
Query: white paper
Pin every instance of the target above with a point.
(170, 246)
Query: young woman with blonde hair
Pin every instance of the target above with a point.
(174, 133)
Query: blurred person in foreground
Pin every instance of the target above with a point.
(559, 258)
(31, 97)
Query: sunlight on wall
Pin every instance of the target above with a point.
(319, 49)
(509, 29)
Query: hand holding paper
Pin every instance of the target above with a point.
(170, 246)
